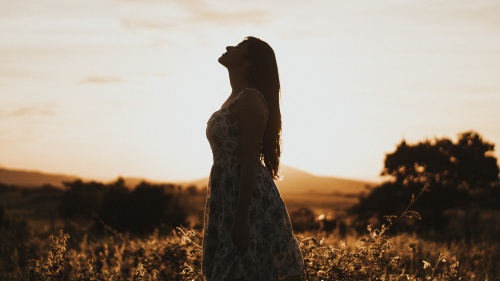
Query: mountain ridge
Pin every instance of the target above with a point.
(293, 181)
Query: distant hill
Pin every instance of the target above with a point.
(298, 181)
(294, 181)
(23, 178)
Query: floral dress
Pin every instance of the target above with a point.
(273, 252)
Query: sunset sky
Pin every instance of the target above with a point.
(108, 88)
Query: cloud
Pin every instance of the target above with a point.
(26, 111)
(472, 11)
(25, 123)
(32, 110)
(194, 12)
(135, 23)
(200, 12)
(14, 73)
(22, 123)
(101, 79)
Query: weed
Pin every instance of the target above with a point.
(119, 256)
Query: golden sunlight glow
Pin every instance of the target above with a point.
(108, 88)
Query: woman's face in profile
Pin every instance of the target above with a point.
(235, 56)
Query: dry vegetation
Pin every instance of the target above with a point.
(176, 256)
(37, 249)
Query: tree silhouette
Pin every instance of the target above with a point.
(81, 200)
(461, 175)
(141, 210)
(468, 163)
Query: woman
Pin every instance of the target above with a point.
(248, 234)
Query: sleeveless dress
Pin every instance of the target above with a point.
(273, 252)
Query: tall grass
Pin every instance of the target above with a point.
(177, 256)
(27, 252)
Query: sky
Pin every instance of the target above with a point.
(108, 88)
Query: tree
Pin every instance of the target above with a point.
(467, 163)
(462, 177)
(141, 210)
(146, 207)
(81, 200)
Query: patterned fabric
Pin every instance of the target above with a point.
(273, 252)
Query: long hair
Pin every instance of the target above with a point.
(263, 75)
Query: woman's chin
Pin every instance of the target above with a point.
(221, 60)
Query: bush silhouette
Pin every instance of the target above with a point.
(141, 210)
(81, 200)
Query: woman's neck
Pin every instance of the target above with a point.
(238, 81)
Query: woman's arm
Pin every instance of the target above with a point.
(251, 111)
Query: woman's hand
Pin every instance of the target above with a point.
(240, 235)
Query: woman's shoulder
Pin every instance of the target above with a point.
(252, 95)
(252, 100)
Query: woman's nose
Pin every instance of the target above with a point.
(228, 48)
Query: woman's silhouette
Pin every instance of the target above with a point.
(247, 233)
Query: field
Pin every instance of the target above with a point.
(36, 245)
(320, 203)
